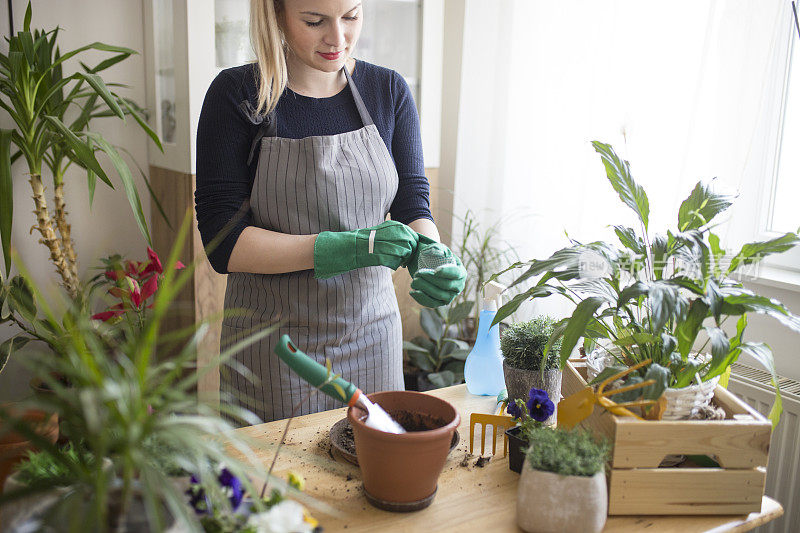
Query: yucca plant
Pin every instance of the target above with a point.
(116, 397)
(51, 115)
(652, 296)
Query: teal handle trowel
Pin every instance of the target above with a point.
(338, 389)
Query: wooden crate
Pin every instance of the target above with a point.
(637, 486)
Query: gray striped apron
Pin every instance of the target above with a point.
(306, 186)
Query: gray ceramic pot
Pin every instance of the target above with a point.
(519, 382)
(550, 503)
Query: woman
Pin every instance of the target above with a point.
(300, 157)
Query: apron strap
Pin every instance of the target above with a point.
(269, 126)
(366, 118)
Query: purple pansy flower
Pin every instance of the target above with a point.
(513, 409)
(540, 408)
(230, 484)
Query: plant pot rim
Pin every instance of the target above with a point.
(528, 466)
(426, 435)
(528, 369)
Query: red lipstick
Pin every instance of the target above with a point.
(331, 56)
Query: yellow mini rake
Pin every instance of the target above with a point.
(579, 406)
(498, 422)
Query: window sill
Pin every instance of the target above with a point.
(777, 277)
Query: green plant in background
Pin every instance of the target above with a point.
(567, 453)
(653, 297)
(39, 98)
(482, 251)
(440, 354)
(524, 343)
(119, 401)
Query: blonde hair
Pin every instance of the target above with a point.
(269, 45)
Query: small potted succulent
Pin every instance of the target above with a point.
(563, 482)
(524, 366)
(531, 413)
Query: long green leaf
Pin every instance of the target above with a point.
(83, 152)
(6, 197)
(26, 23)
(144, 125)
(763, 354)
(660, 375)
(9, 347)
(688, 328)
(432, 324)
(127, 181)
(97, 83)
(701, 207)
(720, 364)
(94, 46)
(538, 291)
(754, 252)
(619, 174)
(576, 328)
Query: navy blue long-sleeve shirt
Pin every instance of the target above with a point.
(226, 130)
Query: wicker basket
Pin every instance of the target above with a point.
(681, 403)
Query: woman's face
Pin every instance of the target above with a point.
(321, 33)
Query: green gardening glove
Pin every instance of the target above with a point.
(438, 275)
(388, 244)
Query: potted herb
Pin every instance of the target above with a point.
(563, 482)
(660, 296)
(524, 368)
(437, 359)
(530, 413)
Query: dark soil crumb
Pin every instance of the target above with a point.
(465, 461)
(349, 478)
(481, 462)
(330, 453)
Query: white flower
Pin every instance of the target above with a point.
(285, 517)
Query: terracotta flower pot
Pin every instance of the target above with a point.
(520, 381)
(13, 446)
(551, 503)
(400, 472)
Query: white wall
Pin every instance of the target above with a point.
(108, 227)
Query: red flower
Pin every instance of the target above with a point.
(154, 263)
(112, 312)
(150, 287)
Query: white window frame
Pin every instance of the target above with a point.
(784, 267)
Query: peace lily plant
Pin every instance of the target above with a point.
(51, 115)
(659, 296)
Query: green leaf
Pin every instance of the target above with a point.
(411, 347)
(144, 125)
(619, 174)
(638, 339)
(701, 207)
(127, 182)
(627, 236)
(632, 292)
(421, 361)
(583, 314)
(425, 342)
(566, 258)
(558, 332)
(745, 299)
(445, 378)
(97, 83)
(754, 252)
(460, 312)
(83, 152)
(457, 368)
(661, 376)
(720, 345)
(91, 177)
(26, 23)
(432, 324)
(460, 354)
(461, 345)
(9, 347)
(6, 197)
(538, 291)
(26, 43)
(717, 252)
(687, 329)
(720, 363)
(665, 302)
(20, 296)
(763, 354)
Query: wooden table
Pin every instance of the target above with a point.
(469, 498)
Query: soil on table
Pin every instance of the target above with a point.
(347, 440)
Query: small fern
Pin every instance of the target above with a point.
(567, 453)
(523, 343)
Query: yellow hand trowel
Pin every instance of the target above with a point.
(498, 421)
(579, 406)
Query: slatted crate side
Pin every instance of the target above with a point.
(685, 491)
(737, 443)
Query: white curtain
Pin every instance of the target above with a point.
(685, 90)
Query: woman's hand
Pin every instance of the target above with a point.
(389, 244)
(438, 276)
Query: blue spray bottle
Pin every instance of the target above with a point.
(483, 370)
